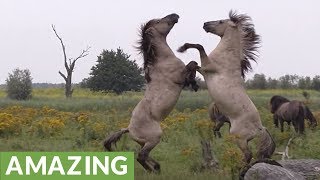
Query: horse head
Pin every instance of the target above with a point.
(155, 28)
(159, 27)
(276, 102)
(240, 24)
(218, 27)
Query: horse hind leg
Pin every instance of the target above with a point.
(300, 120)
(243, 145)
(301, 126)
(242, 140)
(147, 162)
(266, 146)
(216, 129)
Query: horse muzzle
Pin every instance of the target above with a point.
(172, 18)
(207, 26)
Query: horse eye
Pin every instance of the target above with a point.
(220, 22)
(158, 21)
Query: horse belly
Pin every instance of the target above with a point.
(232, 100)
(142, 125)
(224, 93)
(164, 103)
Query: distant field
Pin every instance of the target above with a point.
(49, 122)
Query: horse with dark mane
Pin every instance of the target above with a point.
(165, 75)
(218, 118)
(291, 111)
(223, 70)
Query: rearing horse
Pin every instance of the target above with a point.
(165, 75)
(223, 71)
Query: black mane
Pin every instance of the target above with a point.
(250, 40)
(147, 48)
(276, 102)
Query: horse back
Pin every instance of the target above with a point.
(290, 110)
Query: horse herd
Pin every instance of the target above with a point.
(223, 71)
(283, 110)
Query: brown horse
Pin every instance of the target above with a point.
(291, 111)
(165, 75)
(218, 118)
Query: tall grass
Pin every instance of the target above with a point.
(88, 117)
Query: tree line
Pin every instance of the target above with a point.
(260, 81)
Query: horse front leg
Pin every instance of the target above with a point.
(275, 121)
(296, 126)
(281, 124)
(289, 125)
(203, 55)
(147, 162)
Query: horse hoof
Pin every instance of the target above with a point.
(157, 169)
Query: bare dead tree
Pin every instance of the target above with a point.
(210, 162)
(285, 153)
(69, 65)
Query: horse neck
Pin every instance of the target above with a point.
(162, 48)
(228, 53)
(230, 42)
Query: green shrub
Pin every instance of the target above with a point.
(19, 84)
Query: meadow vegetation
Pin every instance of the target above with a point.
(49, 122)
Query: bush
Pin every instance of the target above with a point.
(115, 72)
(19, 84)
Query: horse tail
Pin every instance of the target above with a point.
(266, 146)
(114, 138)
(308, 114)
(300, 118)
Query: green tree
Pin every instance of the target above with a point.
(288, 81)
(304, 82)
(308, 82)
(19, 84)
(115, 72)
(316, 83)
(272, 83)
(259, 81)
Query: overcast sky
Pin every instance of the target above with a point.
(289, 29)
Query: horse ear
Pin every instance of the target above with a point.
(232, 24)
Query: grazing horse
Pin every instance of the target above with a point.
(224, 69)
(291, 111)
(218, 118)
(165, 75)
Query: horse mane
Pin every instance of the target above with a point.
(276, 102)
(250, 41)
(147, 48)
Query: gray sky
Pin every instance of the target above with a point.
(290, 32)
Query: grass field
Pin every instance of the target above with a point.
(49, 122)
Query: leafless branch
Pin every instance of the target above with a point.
(64, 77)
(69, 67)
(84, 53)
(210, 161)
(285, 153)
(63, 47)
